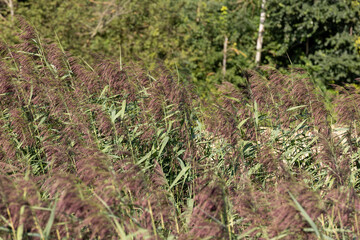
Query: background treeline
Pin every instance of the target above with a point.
(188, 35)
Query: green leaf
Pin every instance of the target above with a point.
(50, 222)
(256, 114)
(118, 228)
(295, 108)
(103, 91)
(123, 108)
(20, 230)
(146, 157)
(163, 144)
(179, 176)
(232, 98)
(242, 123)
(246, 234)
(299, 126)
(306, 216)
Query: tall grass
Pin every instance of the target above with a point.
(114, 152)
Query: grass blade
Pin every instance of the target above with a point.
(305, 215)
(179, 176)
(50, 222)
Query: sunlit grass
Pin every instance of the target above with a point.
(111, 151)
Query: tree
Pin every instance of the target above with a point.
(206, 40)
(109, 11)
(261, 34)
(10, 5)
(318, 34)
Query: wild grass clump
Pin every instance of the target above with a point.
(114, 152)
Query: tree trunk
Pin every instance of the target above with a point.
(10, 5)
(224, 59)
(261, 34)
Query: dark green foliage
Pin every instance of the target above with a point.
(318, 34)
(188, 35)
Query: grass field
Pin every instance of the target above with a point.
(111, 151)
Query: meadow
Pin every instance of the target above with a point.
(112, 151)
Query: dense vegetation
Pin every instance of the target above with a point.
(322, 36)
(108, 150)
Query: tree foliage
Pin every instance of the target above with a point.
(189, 35)
(318, 34)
